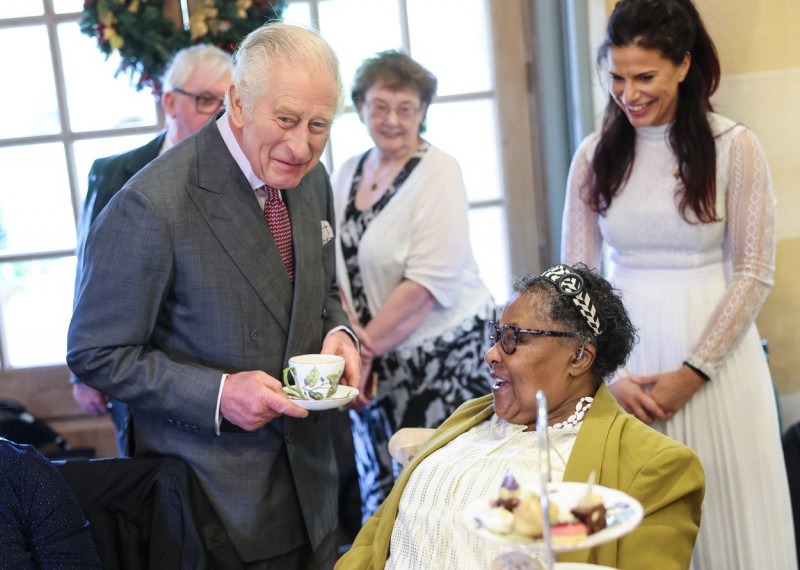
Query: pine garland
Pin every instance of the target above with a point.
(146, 38)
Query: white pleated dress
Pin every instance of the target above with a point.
(693, 291)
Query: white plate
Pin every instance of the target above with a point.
(343, 396)
(623, 514)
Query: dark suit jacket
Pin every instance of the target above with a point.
(149, 512)
(183, 282)
(791, 455)
(107, 176)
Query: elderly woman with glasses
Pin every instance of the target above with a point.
(406, 270)
(563, 332)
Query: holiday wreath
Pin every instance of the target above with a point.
(147, 33)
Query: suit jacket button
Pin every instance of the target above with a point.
(324, 313)
(215, 534)
(254, 335)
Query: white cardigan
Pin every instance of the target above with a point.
(423, 235)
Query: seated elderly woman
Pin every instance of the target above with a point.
(562, 332)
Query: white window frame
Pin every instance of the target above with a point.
(526, 220)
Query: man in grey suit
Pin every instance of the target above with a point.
(187, 311)
(194, 87)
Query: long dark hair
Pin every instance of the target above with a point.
(674, 28)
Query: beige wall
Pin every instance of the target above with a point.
(760, 56)
(754, 36)
(751, 36)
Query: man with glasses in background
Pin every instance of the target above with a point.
(194, 87)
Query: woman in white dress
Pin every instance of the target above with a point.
(683, 199)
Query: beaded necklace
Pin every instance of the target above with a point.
(581, 408)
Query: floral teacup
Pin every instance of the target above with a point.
(314, 376)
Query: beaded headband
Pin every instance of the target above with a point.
(570, 284)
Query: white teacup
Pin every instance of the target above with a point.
(314, 376)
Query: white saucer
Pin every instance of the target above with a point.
(343, 396)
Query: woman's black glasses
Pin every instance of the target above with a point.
(508, 335)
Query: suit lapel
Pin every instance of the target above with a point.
(227, 203)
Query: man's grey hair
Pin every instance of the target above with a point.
(280, 43)
(188, 60)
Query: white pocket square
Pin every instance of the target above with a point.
(327, 231)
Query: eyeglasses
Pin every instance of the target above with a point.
(508, 335)
(380, 110)
(203, 103)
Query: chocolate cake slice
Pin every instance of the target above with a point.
(594, 517)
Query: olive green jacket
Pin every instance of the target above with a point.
(664, 475)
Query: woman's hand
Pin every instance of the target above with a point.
(671, 390)
(90, 400)
(367, 355)
(367, 346)
(366, 383)
(631, 396)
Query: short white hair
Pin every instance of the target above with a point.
(188, 60)
(281, 43)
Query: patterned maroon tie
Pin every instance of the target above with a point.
(278, 219)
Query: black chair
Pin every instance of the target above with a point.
(149, 513)
(20, 426)
(791, 454)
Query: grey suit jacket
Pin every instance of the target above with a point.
(183, 282)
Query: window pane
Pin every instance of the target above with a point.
(298, 13)
(35, 211)
(35, 112)
(348, 138)
(487, 230)
(86, 152)
(37, 306)
(462, 63)
(67, 6)
(376, 28)
(21, 8)
(477, 153)
(98, 101)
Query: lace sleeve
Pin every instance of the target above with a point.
(750, 245)
(580, 232)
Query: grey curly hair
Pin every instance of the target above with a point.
(614, 345)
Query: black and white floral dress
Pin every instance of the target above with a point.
(419, 385)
